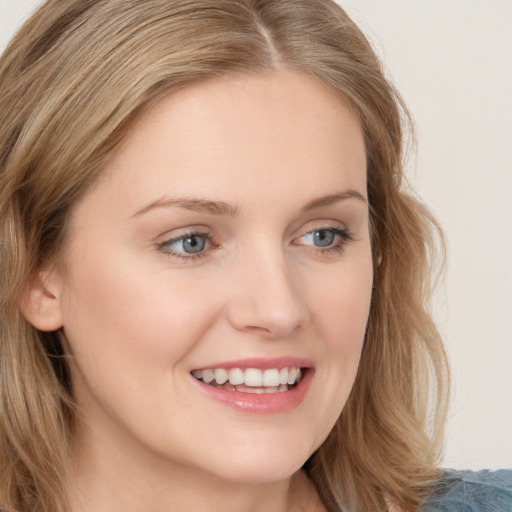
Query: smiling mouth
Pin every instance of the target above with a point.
(251, 380)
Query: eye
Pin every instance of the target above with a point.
(189, 244)
(325, 237)
(321, 237)
(186, 246)
(325, 240)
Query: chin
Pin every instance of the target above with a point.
(272, 471)
(261, 465)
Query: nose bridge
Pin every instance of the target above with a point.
(267, 296)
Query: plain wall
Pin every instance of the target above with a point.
(452, 62)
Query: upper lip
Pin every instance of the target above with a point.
(261, 363)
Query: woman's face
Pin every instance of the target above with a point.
(227, 239)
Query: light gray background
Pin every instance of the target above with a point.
(452, 62)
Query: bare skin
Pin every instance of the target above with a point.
(230, 225)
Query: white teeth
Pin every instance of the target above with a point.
(292, 375)
(257, 391)
(253, 377)
(272, 380)
(221, 376)
(236, 376)
(208, 376)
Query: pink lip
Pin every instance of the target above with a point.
(265, 403)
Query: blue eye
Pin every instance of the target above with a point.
(326, 239)
(190, 244)
(322, 237)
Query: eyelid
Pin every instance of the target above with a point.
(182, 231)
(327, 225)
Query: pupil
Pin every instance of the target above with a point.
(193, 244)
(323, 238)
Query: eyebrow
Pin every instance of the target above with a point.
(195, 205)
(225, 209)
(334, 198)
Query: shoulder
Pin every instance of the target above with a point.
(471, 491)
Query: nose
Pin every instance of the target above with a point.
(266, 298)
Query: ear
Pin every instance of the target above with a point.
(40, 302)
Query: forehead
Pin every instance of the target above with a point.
(255, 134)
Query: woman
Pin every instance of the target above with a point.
(212, 276)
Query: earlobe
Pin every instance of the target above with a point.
(40, 302)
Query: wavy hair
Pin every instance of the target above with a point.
(72, 81)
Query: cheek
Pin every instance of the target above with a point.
(130, 318)
(342, 303)
(130, 334)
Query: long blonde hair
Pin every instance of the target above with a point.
(71, 82)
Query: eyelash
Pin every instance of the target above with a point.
(344, 237)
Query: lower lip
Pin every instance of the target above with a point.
(265, 403)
